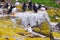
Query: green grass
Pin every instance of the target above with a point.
(45, 2)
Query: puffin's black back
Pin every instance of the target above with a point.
(30, 6)
(39, 6)
(35, 8)
(6, 6)
(1, 6)
(24, 7)
(10, 10)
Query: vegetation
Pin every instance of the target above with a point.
(43, 28)
(45, 2)
(52, 12)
